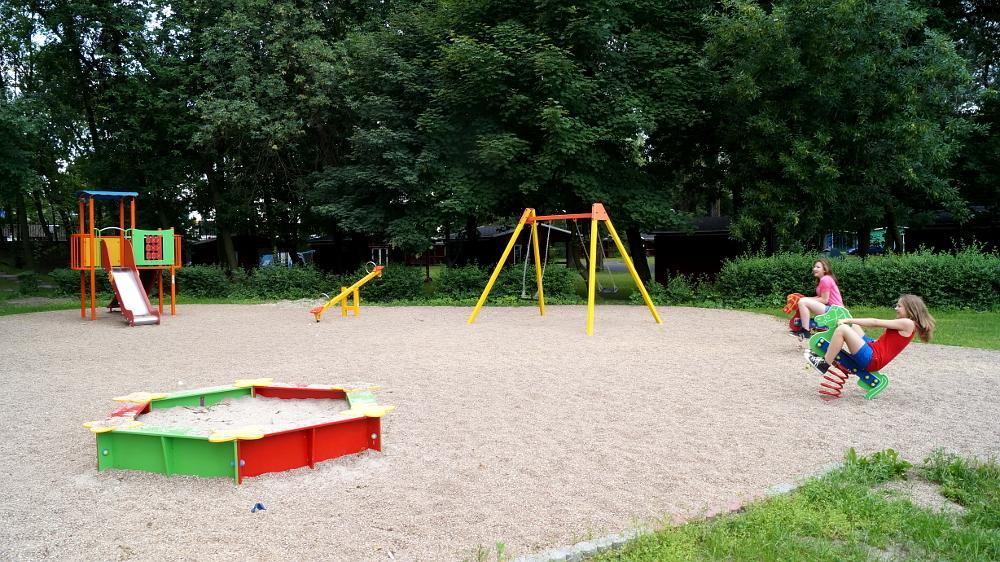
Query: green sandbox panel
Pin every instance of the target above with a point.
(199, 397)
(165, 251)
(361, 398)
(165, 454)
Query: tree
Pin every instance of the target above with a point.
(839, 115)
(469, 111)
(976, 29)
(377, 189)
(257, 78)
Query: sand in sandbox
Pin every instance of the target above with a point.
(267, 414)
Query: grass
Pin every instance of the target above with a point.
(967, 328)
(842, 517)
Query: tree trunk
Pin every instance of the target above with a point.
(737, 200)
(25, 257)
(36, 195)
(637, 248)
(67, 222)
(864, 241)
(469, 254)
(449, 256)
(72, 40)
(770, 239)
(215, 187)
(893, 240)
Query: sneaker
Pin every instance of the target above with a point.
(801, 334)
(816, 361)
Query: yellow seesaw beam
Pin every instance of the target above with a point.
(347, 292)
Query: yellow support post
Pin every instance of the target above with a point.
(357, 302)
(631, 269)
(538, 269)
(529, 212)
(343, 304)
(592, 276)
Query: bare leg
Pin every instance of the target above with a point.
(809, 305)
(843, 334)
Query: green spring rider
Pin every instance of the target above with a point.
(873, 383)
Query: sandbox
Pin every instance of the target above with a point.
(126, 442)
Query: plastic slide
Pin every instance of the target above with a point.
(128, 287)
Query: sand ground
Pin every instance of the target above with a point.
(517, 429)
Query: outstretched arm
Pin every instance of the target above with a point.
(903, 325)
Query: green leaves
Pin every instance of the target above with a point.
(840, 109)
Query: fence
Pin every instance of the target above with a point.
(35, 232)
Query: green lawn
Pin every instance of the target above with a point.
(848, 515)
(968, 328)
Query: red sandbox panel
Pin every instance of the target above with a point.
(307, 446)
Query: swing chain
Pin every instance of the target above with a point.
(586, 255)
(545, 261)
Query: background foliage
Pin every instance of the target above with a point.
(395, 122)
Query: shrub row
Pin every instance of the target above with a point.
(968, 278)
(396, 283)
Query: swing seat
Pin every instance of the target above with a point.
(609, 290)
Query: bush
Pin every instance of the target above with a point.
(968, 278)
(27, 283)
(678, 290)
(276, 282)
(758, 280)
(397, 283)
(67, 281)
(461, 282)
(203, 281)
(559, 282)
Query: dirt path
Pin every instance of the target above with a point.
(517, 429)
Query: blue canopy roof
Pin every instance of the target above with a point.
(88, 194)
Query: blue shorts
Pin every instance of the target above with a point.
(864, 355)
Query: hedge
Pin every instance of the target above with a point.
(968, 278)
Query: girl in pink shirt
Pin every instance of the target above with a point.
(827, 295)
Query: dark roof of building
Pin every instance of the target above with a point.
(495, 231)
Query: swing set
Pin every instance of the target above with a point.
(597, 215)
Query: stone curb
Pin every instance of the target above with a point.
(581, 550)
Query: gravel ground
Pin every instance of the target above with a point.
(517, 429)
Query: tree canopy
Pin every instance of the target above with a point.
(401, 121)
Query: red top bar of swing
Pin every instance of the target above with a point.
(557, 217)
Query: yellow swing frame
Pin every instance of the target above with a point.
(597, 215)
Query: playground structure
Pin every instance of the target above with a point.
(122, 253)
(597, 215)
(123, 442)
(872, 382)
(346, 293)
